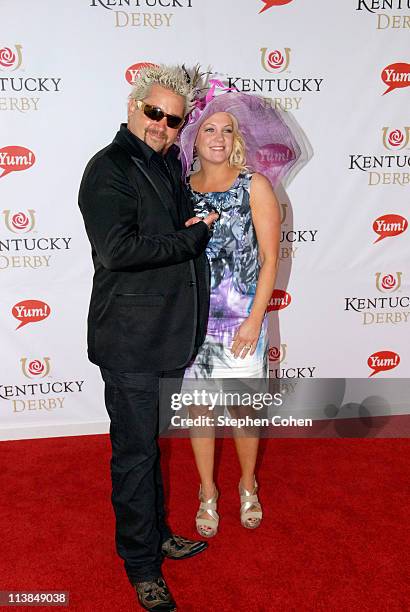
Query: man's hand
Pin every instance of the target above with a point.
(209, 220)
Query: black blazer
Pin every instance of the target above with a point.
(150, 296)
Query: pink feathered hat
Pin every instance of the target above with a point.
(275, 145)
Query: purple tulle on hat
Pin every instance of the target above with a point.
(275, 145)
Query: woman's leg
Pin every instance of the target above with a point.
(247, 450)
(203, 446)
(247, 443)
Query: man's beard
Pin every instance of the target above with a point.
(158, 145)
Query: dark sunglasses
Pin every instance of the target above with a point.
(157, 114)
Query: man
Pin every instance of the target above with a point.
(148, 310)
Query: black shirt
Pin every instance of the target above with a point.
(162, 165)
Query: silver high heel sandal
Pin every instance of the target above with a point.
(251, 510)
(207, 527)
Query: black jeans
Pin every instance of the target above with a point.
(131, 400)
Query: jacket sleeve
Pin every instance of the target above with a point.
(108, 203)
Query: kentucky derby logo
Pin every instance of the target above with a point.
(396, 139)
(275, 61)
(278, 354)
(383, 361)
(36, 368)
(22, 92)
(133, 72)
(388, 282)
(396, 76)
(269, 3)
(9, 59)
(20, 222)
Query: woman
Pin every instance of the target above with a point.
(222, 133)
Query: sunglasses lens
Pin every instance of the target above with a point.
(173, 121)
(154, 113)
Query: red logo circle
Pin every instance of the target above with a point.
(275, 59)
(388, 281)
(280, 299)
(274, 353)
(396, 138)
(132, 73)
(35, 368)
(20, 221)
(7, 57)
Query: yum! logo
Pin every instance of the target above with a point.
(132, 73)
(35, 368)
(20, 222)
(280, 299)
(275, 154)
(394, 140)
(14, 158)
(383, 361)
(388, 283)
(269, 3)
(389, 225)
(30, 311)
(275, 61)
(10, 58)
(278, 353)
(396, 76)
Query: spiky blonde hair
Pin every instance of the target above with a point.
(173, 78)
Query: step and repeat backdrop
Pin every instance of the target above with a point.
(341, 308)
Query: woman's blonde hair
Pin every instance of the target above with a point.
(238, 156)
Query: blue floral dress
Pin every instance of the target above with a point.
(233, 258)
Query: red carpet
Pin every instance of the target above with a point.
(335, 535)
